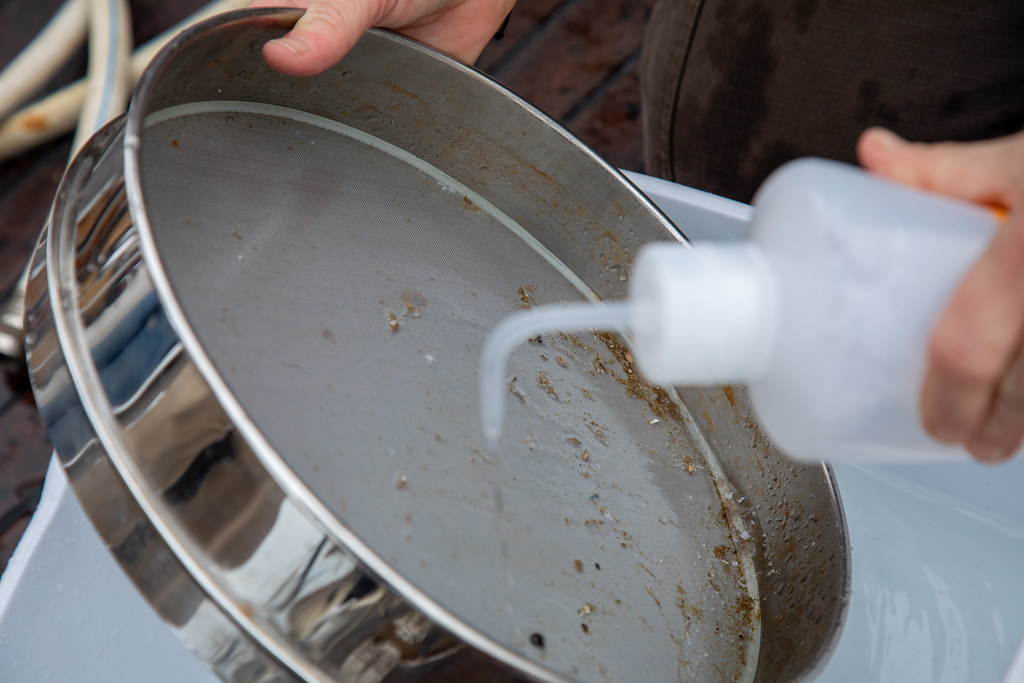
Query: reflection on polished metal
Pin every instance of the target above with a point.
(12, 322)
(254, 534)
(284, 575)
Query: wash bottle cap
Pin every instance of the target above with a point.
(704, 314)
(695, 315)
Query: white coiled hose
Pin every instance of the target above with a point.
(41, 59)
(58, 112)
(110, 50)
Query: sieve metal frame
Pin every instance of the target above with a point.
(124, 498)
(294, 489)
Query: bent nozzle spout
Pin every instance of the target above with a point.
(517, 328)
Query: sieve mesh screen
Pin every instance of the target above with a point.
(344, 291)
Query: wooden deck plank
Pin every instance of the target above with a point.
(525, 21)
(612, 126)
(580, 65)
(577, 52)
(24, 454)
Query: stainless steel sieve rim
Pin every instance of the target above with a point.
(295, 490)
(170, 421)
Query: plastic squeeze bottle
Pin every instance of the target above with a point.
(824, 312)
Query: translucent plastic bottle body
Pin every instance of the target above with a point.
(825, 313)
(864, 268)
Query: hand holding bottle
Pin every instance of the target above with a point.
(973, 391)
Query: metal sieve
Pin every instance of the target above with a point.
(254, 327)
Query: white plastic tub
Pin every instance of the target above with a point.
(937, 555)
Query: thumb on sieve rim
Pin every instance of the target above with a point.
(321, 37)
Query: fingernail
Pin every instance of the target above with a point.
(296, 44)
(887, 138)
(990, 451)
(945, 433)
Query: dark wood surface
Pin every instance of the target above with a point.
(576, 60)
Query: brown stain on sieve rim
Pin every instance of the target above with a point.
(403, 91)
(544, 175)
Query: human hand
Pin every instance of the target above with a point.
(329, 28)
(973, 391)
